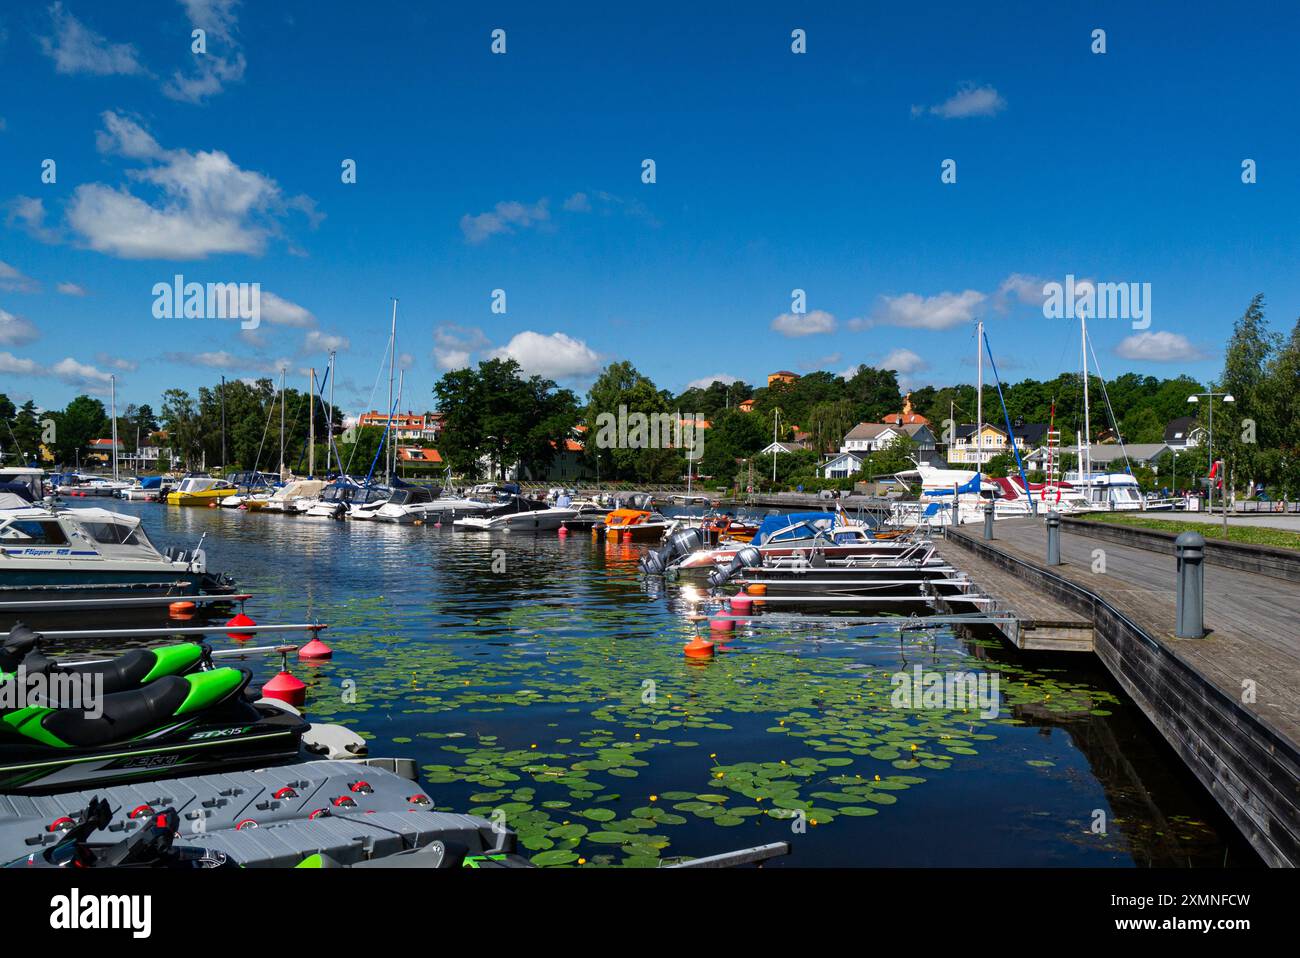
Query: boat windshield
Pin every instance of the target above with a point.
(33, 532)
(111, 533)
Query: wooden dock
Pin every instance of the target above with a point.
(1228, 703)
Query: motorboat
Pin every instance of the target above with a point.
(366, 501)
(830, 533)
(411, 504)
(200, 491)
(518, 514)
(249, 485)
(590, 513)
(630, 525)
(20, 487)
(93, 553)
(287, 497)
(145, 489)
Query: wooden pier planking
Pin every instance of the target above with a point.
(1247, 754)
(1040, 622)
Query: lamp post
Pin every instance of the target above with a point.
(1209, 398)
(776, 418)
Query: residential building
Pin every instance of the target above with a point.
(841, 467)
(967, 449)
(1115, 457)
(746, 405)
(408, 426)
(1185, 432)
(781, 376)
(867, 437)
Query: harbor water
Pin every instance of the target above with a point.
(539, 681)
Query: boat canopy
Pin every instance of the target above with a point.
(782, 526)
(971, 485)
(151, 482)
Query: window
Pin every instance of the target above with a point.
(110, 533)
(31, 531)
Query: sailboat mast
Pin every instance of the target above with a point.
(329, 432)
(1085, 442)
(392, 354)
(113, 385)
(311, 423)
(979, 396)
(282, 371)
(401, 383)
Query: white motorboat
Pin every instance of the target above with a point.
(410, 504)
(20, 487)
(831, 534)
(287, 497)
(519, 515)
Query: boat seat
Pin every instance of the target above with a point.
(124, 672)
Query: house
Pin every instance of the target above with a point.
(841, 467)
(409, 426)
(967, 449)
(867, 437)
(746, 405)
(101, 450)
(1185, 432)
(416, 456)
(1112, 456)
(781, 376)
(776, 447)
(908, 417)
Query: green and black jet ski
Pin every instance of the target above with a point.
(175, 724)
(127, 671)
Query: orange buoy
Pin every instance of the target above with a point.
(756, 589)
(698, 648)
(240, 620)
(315, 649)
(181, 610)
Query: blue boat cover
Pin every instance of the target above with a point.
(972, 486)
(151, 482)
(772, 524)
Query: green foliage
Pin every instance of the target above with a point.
(494, 413)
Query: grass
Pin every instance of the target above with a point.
(1248, 535)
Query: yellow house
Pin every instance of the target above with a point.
(781, 376)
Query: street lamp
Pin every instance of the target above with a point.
(776, 418)
(1210, 397)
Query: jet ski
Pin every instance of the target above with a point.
(128, 671)
(174, 724)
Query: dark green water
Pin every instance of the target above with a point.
(553, 691)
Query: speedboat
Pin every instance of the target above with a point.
(590, 513)
(634, 524)
(20, 487)
(145, 489)
(367, 501)
(287, 497)
(828, 533)
(410, 504)
(200, 491)
(518, 514)
(249, 485)
(93, 553)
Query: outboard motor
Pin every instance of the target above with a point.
(683, 543)
(652, 563)
(745, 558)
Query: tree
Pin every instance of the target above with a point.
(619, 392)
(81, 420)
(1243, 425)
(180, 417)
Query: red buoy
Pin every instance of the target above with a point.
(721, 625)
(286, 688)
(315, 649)
(181, 610)
(698, 648)
(740, 603)
(243, 620)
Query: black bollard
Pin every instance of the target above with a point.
(988, 520)
(1190, 618)
(1053, 538)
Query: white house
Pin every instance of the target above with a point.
(841, 467)
(1185, 432)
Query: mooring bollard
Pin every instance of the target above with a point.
(988, 520)
(1053, 538)
(1190, 621)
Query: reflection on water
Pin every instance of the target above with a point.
(536, 677)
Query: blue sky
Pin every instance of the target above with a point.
(522, 172)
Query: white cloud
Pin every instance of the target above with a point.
(578, 203)
(224, 60)
(505, 217)
(942, 311)
(116, 362)
(1162, 347)
(13, 281)
(72, 289)
(15, 366)
(452, 345)
(704, 382)
(317, 341)
(804, 324)
(280, 312)
(556, 356)
(208, 204)
(1022, 288)
(16, 331)
(28, 212)
(903, 361)
(81, 375)
(969, 100)
(75, 48)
